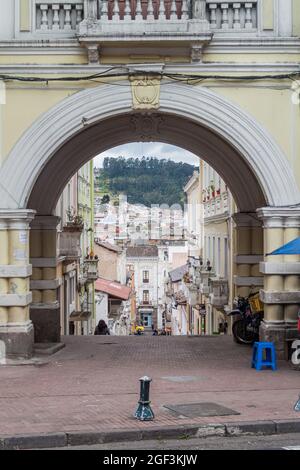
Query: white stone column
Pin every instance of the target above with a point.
(284, 16)
(281, 292)
(45, 307)
(16, 329)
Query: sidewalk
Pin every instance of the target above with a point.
(92, 386)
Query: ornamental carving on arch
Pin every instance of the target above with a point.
(146, 126)
(145, 92)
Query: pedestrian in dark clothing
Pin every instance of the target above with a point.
(102, 328)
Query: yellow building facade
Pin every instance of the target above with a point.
(218, 79)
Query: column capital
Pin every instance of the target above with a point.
(45, 222)
(18, 219)
(280, 217)
(246, 219)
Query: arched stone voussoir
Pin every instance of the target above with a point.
(194, 118)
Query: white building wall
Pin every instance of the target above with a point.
(101, 307)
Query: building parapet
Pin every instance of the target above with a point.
(192, 24)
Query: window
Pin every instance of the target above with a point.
(145, 296)
(145, 277)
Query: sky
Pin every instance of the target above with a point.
(155, 149)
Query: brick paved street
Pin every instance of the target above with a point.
(92, 384)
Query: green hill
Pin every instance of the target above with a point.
(145, 181)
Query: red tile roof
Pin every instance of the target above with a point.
(115, 289)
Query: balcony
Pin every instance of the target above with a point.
(192, 294)
(112, 22)
(69, 242)
(219, 292)
(205, 282)
(90, 268)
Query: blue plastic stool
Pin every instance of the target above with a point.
(258, 360)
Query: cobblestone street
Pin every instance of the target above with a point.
(93, 384)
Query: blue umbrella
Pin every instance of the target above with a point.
(291, 248)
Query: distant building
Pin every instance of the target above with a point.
(149, 266)
(113, 305)
(112, 263)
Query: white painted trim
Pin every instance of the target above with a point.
(15, 271)
(248, 259)
(242, 281)
(205, 108)
(280, 268)
(280, 217)
(15, 300)
(25, 327)
(45, 285)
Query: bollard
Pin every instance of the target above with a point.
(297, 406)
(144, 411)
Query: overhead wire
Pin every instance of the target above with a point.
(127, 72)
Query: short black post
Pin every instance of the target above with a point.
(144, 411)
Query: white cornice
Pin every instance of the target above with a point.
(240, 41)
(205, 68)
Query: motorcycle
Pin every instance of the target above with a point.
(245, 330)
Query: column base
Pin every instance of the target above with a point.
(46, 323)
(18, 340)
(281, 334)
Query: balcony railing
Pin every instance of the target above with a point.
(219, 292)
(69, 242)
(59, 17)
(232, 16)
(147, 16)
(90, 268)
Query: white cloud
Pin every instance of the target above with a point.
(152, 149)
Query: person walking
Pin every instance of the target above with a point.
(102, 328)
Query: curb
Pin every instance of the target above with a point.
(77, 438)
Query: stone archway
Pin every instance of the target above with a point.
(89, 122)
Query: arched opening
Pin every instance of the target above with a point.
(198, 120)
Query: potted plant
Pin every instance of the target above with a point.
(74, 221)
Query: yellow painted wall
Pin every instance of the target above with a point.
(275, 111)
(23, 106)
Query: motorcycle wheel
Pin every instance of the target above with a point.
(241, 334)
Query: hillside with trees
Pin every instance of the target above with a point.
(144, 180)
